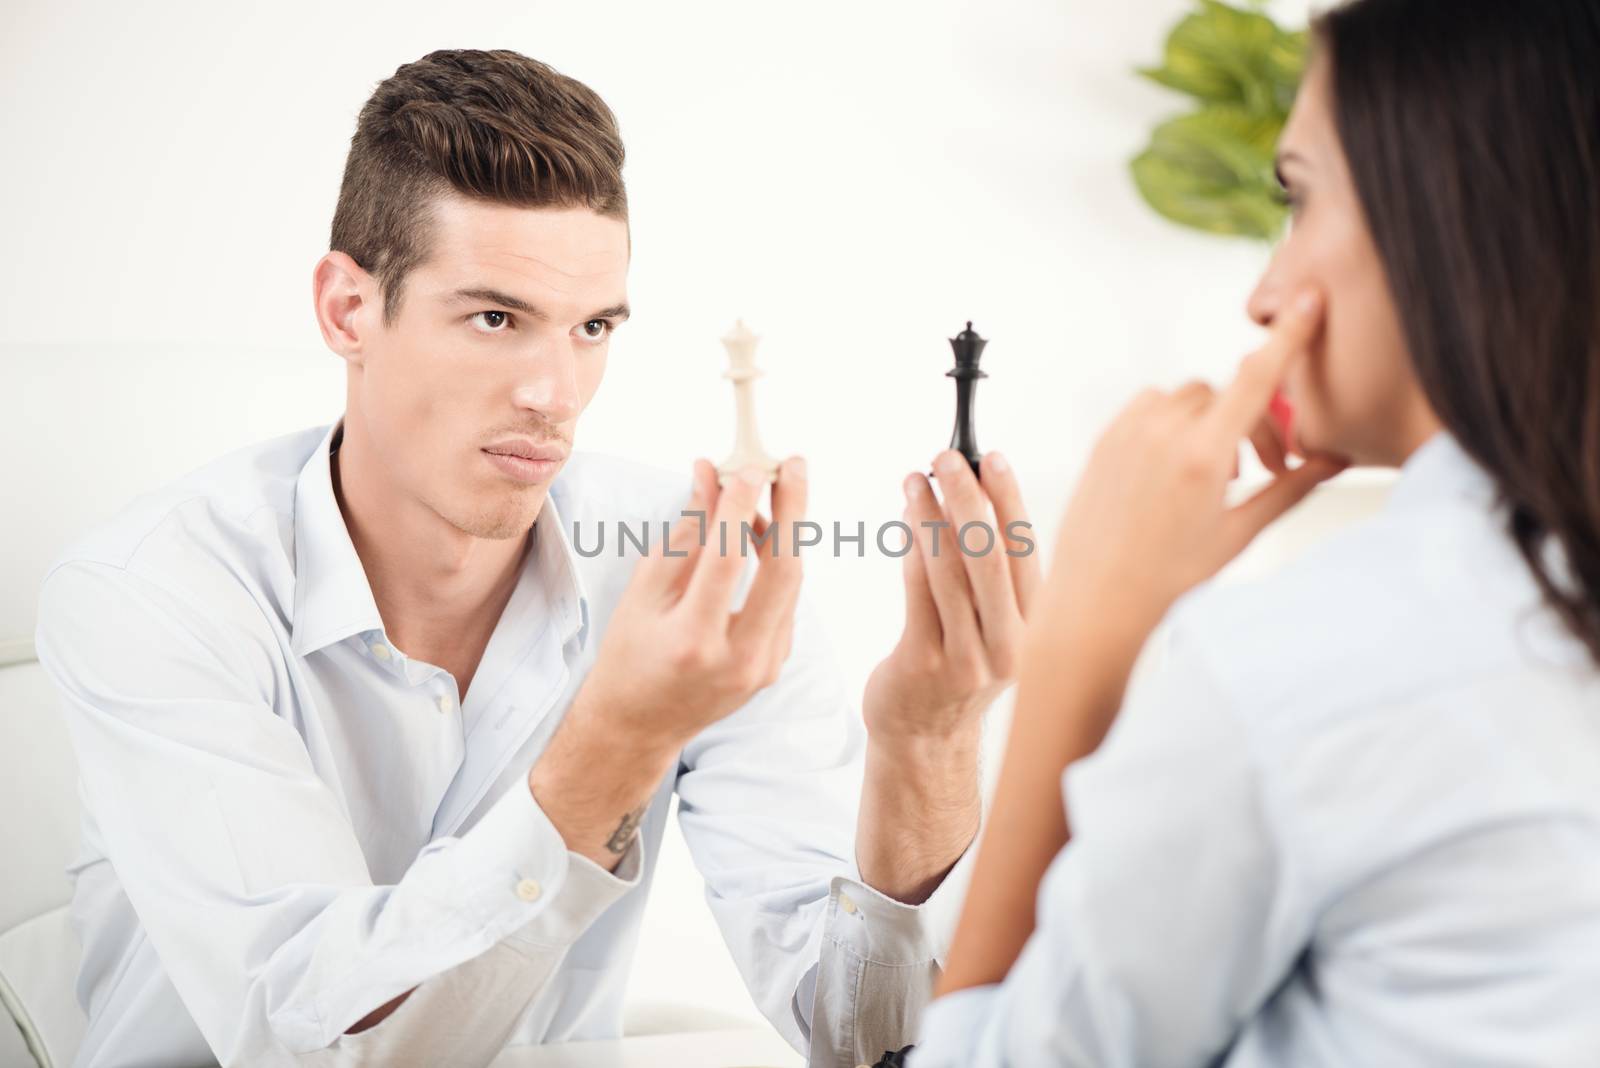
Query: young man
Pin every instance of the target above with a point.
(375, 766)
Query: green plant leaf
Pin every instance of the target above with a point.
(1213, 170)
(1285, 66)
(1228, 55)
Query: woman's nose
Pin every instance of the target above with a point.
(1265, 299)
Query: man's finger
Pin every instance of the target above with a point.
(947, 578)
(1000, 483)
(670, 563)
(789, 496)
(988, 575)
(717, 571)
(922, 614)
(1245, 401)
(760, 621)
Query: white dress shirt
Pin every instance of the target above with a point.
(287, 821)
(1352, 818)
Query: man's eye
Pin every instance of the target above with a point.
(492, 321)
(596, 329)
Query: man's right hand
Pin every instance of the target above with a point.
(675, 658)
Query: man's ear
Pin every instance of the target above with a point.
(347, 304)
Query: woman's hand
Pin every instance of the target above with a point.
(1149, 518)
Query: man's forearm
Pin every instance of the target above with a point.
(594, 783)
(920, 809)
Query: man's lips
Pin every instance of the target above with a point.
(522, 469)
(527, 450)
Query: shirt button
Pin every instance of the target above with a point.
(381, 651)
(846, 904)
(444, 703)
(529, 889)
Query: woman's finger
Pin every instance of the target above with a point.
(1248, 396)
(1269, 447)
(1245, 520)
(1194, 396)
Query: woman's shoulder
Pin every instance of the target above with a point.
(1407, 601)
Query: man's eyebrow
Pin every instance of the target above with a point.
(481, 295)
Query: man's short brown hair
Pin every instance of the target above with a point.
(487, 125)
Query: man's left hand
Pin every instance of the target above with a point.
(969, 580)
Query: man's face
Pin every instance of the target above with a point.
(501, 336)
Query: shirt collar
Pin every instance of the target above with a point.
(553, 555)
(332, 597)
(1440, 470)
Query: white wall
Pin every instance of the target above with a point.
(855, 180)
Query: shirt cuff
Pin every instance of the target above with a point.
(513, 863)
(509, 876)
(876, 927)
(575, 901)
(893, 932)
(949, 1026)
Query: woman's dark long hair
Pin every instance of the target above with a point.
(1472, 129)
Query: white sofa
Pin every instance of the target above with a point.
(38, 793)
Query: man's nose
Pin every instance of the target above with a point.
(549, 386)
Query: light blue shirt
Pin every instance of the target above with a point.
(1352, 818)
(287, 821)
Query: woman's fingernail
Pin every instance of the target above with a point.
(998, 463)
(795, 468)
(947, 462)
(1307, 302)
(913, 487)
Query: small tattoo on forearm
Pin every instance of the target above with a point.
(618, 842)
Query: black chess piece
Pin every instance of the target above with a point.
(894, 1058)
(968, 348)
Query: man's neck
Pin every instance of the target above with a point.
(439, 590)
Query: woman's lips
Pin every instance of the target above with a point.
(525, 471)
(1282, 414)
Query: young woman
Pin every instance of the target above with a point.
(1354, 818)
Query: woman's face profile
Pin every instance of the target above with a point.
(1356, 397)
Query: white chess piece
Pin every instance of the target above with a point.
(742, 370)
